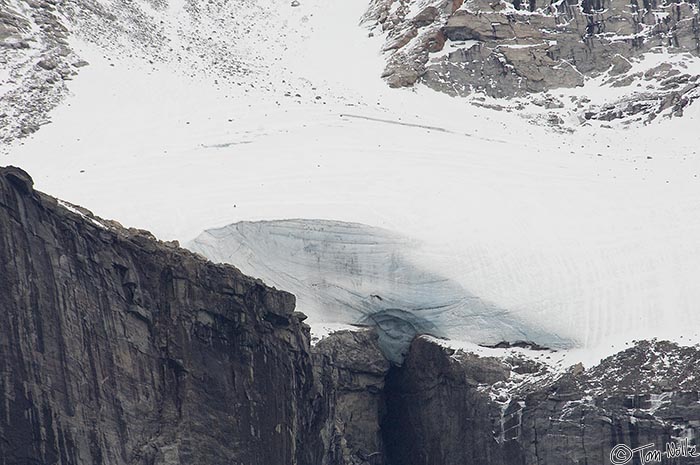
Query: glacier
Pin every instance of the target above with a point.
(351, 273)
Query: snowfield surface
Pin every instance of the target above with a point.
(592, 235)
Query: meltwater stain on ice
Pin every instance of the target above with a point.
(357, 274)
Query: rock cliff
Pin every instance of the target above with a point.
(448, 407)
(350, 373)
(512, 48)
(118, 349)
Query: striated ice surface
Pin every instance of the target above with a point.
(357, 274)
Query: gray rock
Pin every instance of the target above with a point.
(119, 349)
(426, 16)
(48, 63)
(20, 179)
(503, 50)
(350, 370)
(450, 409)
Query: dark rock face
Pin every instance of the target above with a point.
(454, 408)
(116, 348)
(435, 413)
(350, 371)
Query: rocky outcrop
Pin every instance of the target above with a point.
(37, 62)
(508, 48)
(448, 407)
(436, 414)
(511, 48)
(350, 372)
(116, 348)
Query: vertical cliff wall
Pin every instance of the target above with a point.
(452, 408)
(116, 348)
(350, 371)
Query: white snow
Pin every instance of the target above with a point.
(591, 235)
(77, 211)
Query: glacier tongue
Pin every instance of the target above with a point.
(357, 274)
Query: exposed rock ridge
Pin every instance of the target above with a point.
(446, 407)
(510, 48)
(116, 348)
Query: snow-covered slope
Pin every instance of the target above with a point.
(590, 234)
